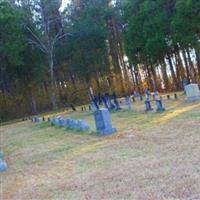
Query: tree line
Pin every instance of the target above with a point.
(50, 58)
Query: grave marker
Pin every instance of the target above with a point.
(103, 122)
(192, 92)
(148, 105)
(160, 107)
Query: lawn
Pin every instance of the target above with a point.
(153, 156)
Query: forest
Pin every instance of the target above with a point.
(50, 58)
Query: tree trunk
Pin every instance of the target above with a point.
(33, 102)
(164, 75)
(53, 90)
(175, 84)
(192, 69)
(186, 65)
(155, 85)
(198, 61)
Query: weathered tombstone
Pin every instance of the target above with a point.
(110, 106)
(3, 165)
(192, 92)
(70, 123)
(117, 105)
(148, 105)
(61, 122)
(36, 120)
(83, 125)
(128, 103)
(94, 106)
(160, 107)
(103, 122)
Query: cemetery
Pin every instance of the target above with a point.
(99, 100)
(38, 156)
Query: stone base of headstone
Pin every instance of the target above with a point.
(192, 92)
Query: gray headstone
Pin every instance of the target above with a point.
(103, 122)
(83, 125)
(192, 92)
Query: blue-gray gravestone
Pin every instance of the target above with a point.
(3, 165)
(103, 122)
(83, 125)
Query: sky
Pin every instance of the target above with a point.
(64, 3)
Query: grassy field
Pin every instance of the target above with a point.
(153, 156)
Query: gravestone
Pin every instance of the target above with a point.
(175, 96)
(3, 165)
(61, 122)
(103, 122)
(168, 97)
(116, 103)
(160, 107)
(192, 92)
(94, 106)
(83, 125)
(148, 105)
(36, 120)
(128, 103)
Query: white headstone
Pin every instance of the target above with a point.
(192, 92)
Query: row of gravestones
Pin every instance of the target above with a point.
(79, 125)
(3, 165)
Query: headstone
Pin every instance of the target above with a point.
(94, 106)
(192, 92)
(36, 120)
(168, 97)
(61, 122)
(128, 103)
(175, 96)
(116, 103)
(83, 126)
(110, 106)
(3, 165)
(103, 122)
(148, 105)
(160, 107)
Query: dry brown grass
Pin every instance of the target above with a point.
(153, 157)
